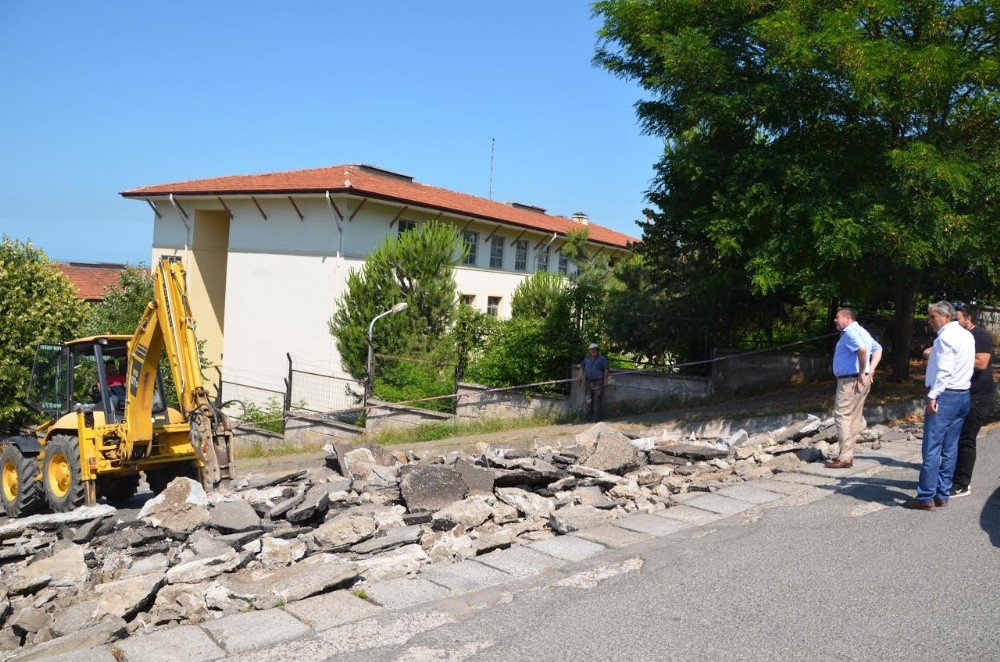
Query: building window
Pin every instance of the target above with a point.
(471, 241)
(542, 263)
(406, 226)
(563, 265)
(468, 299)
(493, 306)
(521, 255)
(496, 252)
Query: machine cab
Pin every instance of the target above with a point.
(86, 375)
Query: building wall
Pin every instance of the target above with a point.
(283, 274)
(206, 273)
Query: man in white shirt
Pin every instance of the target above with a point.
(949, 375)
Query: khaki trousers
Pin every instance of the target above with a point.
(848, 409)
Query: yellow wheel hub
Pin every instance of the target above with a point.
(59, 475)
(10, 481)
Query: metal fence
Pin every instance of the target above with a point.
(263, 398)
(320, 393)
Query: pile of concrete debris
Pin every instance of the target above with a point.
(83, 578)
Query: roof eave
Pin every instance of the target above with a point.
(146, 195)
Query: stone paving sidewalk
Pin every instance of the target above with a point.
(393, 611)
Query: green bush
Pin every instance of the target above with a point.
(37, 304)
(540, 342)
(269, 416)
(402, 381)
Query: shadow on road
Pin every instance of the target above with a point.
(891, 462)
(876, 489)
(989, 519)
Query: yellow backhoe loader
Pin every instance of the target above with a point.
(109, 419)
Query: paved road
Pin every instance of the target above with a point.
(849, 576)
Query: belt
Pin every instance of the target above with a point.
(957, 390)
(847, 376)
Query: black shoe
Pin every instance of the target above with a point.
(960, 491)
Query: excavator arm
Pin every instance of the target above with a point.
(167, 324)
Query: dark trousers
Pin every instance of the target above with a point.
(592, 396)
(979, 410)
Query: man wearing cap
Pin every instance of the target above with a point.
(595, 374)
(981, 395)
(854, 362)
(949, 375)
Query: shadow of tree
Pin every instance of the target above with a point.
(989, 518)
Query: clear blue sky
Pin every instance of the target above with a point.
(103, 96)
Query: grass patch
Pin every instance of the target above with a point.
(446, 429)
(361, 593)
(258, 450)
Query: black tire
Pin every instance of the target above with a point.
(63, 492)
(118, 489)
(28, 494)
(158, 479)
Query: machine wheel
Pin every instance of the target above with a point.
(158, 479)
(61, 474)
(118, 489)
(20, 493)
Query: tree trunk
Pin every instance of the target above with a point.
(905, 299)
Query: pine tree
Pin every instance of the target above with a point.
(417, 267)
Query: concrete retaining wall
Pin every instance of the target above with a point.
(476, 403)
(308, 430)
(248, 437)
(990, 319)
(385, 415)
(747, 374)
(630, 393)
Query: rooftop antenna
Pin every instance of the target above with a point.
(493, 142)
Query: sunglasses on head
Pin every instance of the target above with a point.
(959, 305)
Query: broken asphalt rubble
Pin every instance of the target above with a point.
(75, 580)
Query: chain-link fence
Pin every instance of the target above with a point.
(262, 398)
(320, 393)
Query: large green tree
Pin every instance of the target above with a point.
(37, 304)
(840, 150)
(417, 267)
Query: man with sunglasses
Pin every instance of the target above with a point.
(981, 395)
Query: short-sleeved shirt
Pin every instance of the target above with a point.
(845, 357)
(982, 380)
(593, 368)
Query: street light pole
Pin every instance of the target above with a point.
(370, 383)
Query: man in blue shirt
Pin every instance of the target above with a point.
(854, 362)
(594, 369)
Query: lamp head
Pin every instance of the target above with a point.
(399, 306)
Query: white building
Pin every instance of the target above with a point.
(268, 255)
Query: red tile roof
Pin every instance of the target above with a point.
(91, 279)
(376, 183)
